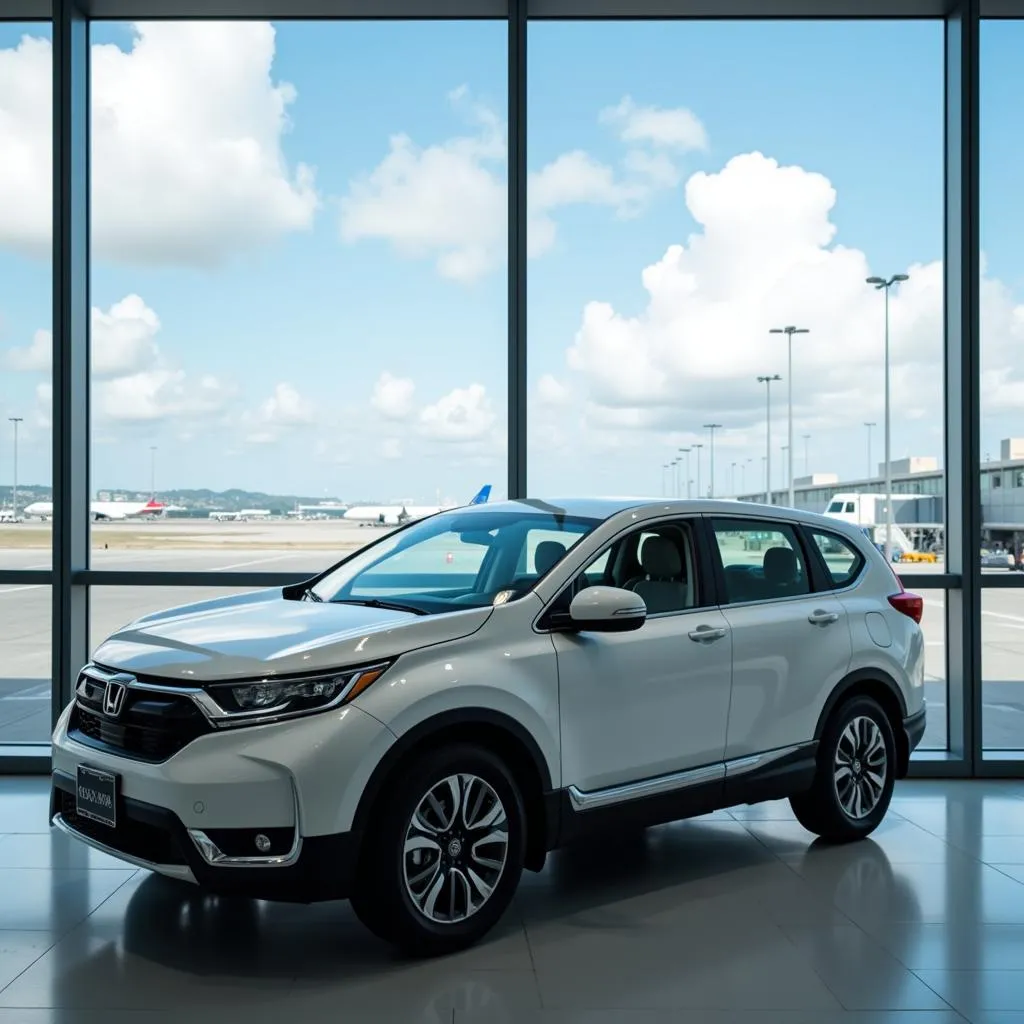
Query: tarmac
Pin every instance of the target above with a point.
(308, 547)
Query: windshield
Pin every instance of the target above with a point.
(456, 560)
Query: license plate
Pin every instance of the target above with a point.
(96, 796)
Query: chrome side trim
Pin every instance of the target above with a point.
(213, 856)
(179, 871)
(591, 801)
(740, 765)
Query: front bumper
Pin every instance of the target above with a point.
(314, 868)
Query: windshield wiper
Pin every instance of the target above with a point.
(372, 602)
(309, 594)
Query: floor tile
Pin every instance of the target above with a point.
(39, 899)
(19, 950)
(976, 992)
(53, 850)
(859, 972)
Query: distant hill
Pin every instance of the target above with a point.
(199, 501)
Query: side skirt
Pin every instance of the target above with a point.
(574, 815)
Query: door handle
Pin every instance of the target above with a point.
(822, 618)
(705, 634)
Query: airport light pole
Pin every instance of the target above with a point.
(807, 454)
(789, 332)
(664, 466)
(883, 284)
(784, 448)
(732, 480)
(766, 380)
(14, 483)
(679, 489)
(869, 426)
(712, 427)
(698, 448)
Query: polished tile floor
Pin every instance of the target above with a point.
(735, 918)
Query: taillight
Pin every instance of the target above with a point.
(911, 605)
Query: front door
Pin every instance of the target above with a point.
(655, 701)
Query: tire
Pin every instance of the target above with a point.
(850, 740)
(407, 898)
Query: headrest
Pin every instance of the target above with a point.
(547, 554)
(659, 558)
(780, 565)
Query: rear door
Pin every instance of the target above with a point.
(789, 643)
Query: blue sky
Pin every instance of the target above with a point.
(860, 103)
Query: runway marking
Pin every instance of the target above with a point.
(41, 692)
(255, 561)
(16, 590)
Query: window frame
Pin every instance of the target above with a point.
(722, 587)
(823, 573)
(553, 619)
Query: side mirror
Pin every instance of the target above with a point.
(607, 610)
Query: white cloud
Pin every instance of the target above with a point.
(765, 254)
(121, 341)
(186, 147)
(552, 392)
(390, 448)
(462, 415)
(446, 201)
(393, 396)
(449, 201)
(132, 381)
(282, 411)
(676, 128)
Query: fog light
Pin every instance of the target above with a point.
(262, 843)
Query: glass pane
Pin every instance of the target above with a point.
(25, 297)
(1002, 302)
(1002, 669)
(933, 625)
(687, 208)
(761, 561)
(300, 295)
(25, 688)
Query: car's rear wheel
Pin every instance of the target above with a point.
(855, 775)
(444, 853)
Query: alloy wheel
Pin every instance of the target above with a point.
(860, 766)
(456, 847)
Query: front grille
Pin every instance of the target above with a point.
(135, 838)
(151, 726)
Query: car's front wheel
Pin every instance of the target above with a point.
(855, 775)
(444, 853)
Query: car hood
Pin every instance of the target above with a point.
(262, 634)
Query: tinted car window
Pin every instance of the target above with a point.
(762, 561)
(843, 561)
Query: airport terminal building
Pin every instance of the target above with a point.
(919, 483)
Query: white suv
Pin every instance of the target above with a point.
(416, 725)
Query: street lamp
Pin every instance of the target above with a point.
(675, 474)
(767, 382)
(807, 454)
(784, 448)
(664, 489)
(743, 472)
(789, 332)
(698, 448)
(679, 489)
(712, 427)
(883, 284)
(869, 426)
(732, 479)
(14, 483)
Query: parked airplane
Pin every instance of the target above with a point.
(6, 515)
(395, 515)
(103, 510)
(243, 516)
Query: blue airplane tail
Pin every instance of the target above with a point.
(481, 496)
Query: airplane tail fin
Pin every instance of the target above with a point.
(481, 496)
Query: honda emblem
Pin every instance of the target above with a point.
(113, 699)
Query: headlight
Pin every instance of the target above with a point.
(251, 702)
